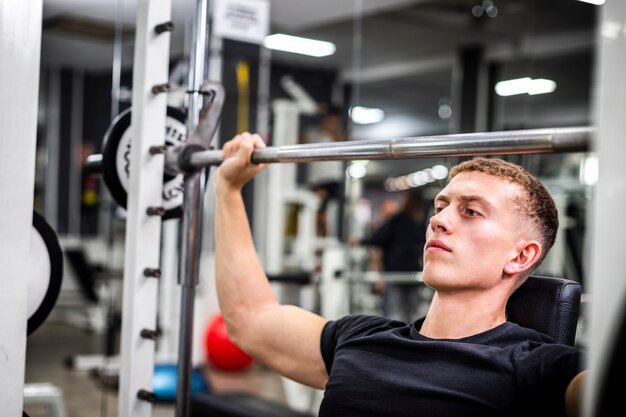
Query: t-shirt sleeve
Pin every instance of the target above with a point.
(545, 372)
(339, 331)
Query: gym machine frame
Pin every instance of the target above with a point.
(144, 205)
(195, 155)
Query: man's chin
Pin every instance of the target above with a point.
(431, 275)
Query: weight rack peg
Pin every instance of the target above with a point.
(156, 150)
(149, 334)
(155, 211)
(146, 395)
(160, 88)
(152, 272)
(164, 27)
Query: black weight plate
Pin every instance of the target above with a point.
(116, 160)
(47, 272)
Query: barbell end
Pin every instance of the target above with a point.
(185, 158)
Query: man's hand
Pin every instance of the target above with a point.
(237, 168)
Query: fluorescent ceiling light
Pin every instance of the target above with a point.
(297, 45)
(596, 2)
(366, 115)
(541, 86)
(525, 85)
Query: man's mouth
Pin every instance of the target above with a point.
(437, 245)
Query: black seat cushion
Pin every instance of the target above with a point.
(239, 404)
(550, 305)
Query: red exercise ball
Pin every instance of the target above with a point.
(220, 350)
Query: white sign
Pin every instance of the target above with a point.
(242, 20)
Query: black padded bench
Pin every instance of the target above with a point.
(239, 404)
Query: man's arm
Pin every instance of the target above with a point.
(574, 395)
(285, 338)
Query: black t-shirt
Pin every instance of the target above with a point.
(401, 240)
(379, 367)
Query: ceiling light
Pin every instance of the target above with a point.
(525, 85)
(357, 171)
(444, 111)
(366, 115)
(589, 172)
(297, 45)
(417, 178)
(439, 172)
(541, 86)
(596, 2)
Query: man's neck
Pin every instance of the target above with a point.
(459, 315)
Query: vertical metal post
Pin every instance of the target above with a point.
(196, 64)
(20, 45)
(192, 218)
(190, 262)
(143, 229)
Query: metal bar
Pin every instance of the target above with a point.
(370, 277)
(556, 140)
(192, 219)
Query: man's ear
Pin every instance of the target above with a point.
(527, 255)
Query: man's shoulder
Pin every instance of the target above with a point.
(356, 325)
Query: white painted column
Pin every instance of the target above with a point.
(608, 224)
(281, 180)
(20, 45)
(143, 232)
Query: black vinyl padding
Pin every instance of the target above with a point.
(300, 278)
(550, 305)
(239, 404)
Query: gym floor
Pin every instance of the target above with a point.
(85, 396)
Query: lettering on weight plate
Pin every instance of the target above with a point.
(173, 192)
(175, 133)
(127, 159)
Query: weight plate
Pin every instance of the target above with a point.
(44, 282)
(116, 160)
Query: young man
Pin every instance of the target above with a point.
(493, 224)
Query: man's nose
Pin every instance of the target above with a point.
(440, 221)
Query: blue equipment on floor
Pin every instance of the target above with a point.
(166, 377)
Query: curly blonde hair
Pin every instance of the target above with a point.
(536, 204)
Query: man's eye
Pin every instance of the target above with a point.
(438, 209)
(471, 212)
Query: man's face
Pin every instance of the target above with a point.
(474, 232)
